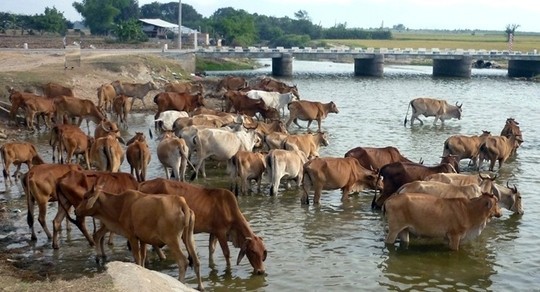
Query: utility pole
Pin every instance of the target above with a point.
(179, 24)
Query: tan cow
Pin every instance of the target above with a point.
(52, 90)
(330, 173)
(173, 153)
(17, 153)
(73, 141)
(70, 190)
(285, 163)
(19, 100)
(275, 140)
(456, 219)
(138, 155)
(134, 90)
(39, 185)
(309, 111)
(245, 166)
(107, 154)
(442, 190)
(511, 128)
(463, 146)
(41, 107)
(497, 148)
(145, 219)
(308, 143)
(431, 107)
(106, 95)
(217, 213)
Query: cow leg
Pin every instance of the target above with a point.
(453, 241)
(180, 258)
(182, 170)
(319, 124)
(57, 221)
(99, 239)
(42, 208)
(500, 164)
(317, 195)
(212, 242)
(135, 250)
(345, 194)
(404, 237)
(143, 253)
(222, 238)
(166, 171)
(30, 215)
(492, 164)
(296, 122)
(111, 238)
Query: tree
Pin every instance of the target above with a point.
(302, 15)
(130, 31)
(236, 26)
(101, 15)
(51, 21)
(510, 30)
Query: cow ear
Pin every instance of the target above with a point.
(242, 252)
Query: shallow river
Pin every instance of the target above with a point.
(339, 247)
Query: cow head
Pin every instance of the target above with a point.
(253, 247)
(88, 207)
(491, 205)
(451, 159)
(333, 108)
(510, 196)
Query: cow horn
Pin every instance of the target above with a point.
(514, 189)
(103, 126)
(481, 176)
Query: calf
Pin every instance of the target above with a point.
(310, 111)
(285, 163)
(121, 108)
(106, 94)
(70, 190)
(173, 153)
(73, 141)
(145, 219)
(218, 214)
(138, 155)
(331, 173)
(18, 153)
(245, 166)
(456, 219)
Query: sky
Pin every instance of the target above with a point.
(413, 14)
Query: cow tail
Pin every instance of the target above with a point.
(270, 160)
(235, 169)
(3, 155)
(407, 113)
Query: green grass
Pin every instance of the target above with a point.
(449, 40)
(208, 64)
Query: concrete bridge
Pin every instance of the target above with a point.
(370, 62)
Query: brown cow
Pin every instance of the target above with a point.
(376, 158)
(134, 90)
(184, 87)
(266, 128)
(497, 148)
(217, 213)
(397, 174)
(308, 143)
(106, 95)
(18, 153)
(39, 185)
(138, 155)
(330, 173)
(242, 104)
(511, 128)
(19, 100)
(76, 107)
(42, 107)
(231, 83)
(106, 127)
(271, 84)
(245, 166)
(309, 111)
(72, 186)
(52, 90)
(456, 219)
(465, 146)
(431, 107)
(145, 219)
(177, 101)
(121, 108)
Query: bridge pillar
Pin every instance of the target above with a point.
(523, 68)
(282, 66)
(452, 67)
(369, 67)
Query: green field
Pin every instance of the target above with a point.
(526, 42)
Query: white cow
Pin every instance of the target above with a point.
(222, 145)
(275, 100)
(166, 119)
(285, 163)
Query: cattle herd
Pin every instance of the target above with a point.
(250, 135)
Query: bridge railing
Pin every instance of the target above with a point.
(369, 50)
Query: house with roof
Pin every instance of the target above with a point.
(158, 28)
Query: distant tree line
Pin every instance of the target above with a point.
(235, 27)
